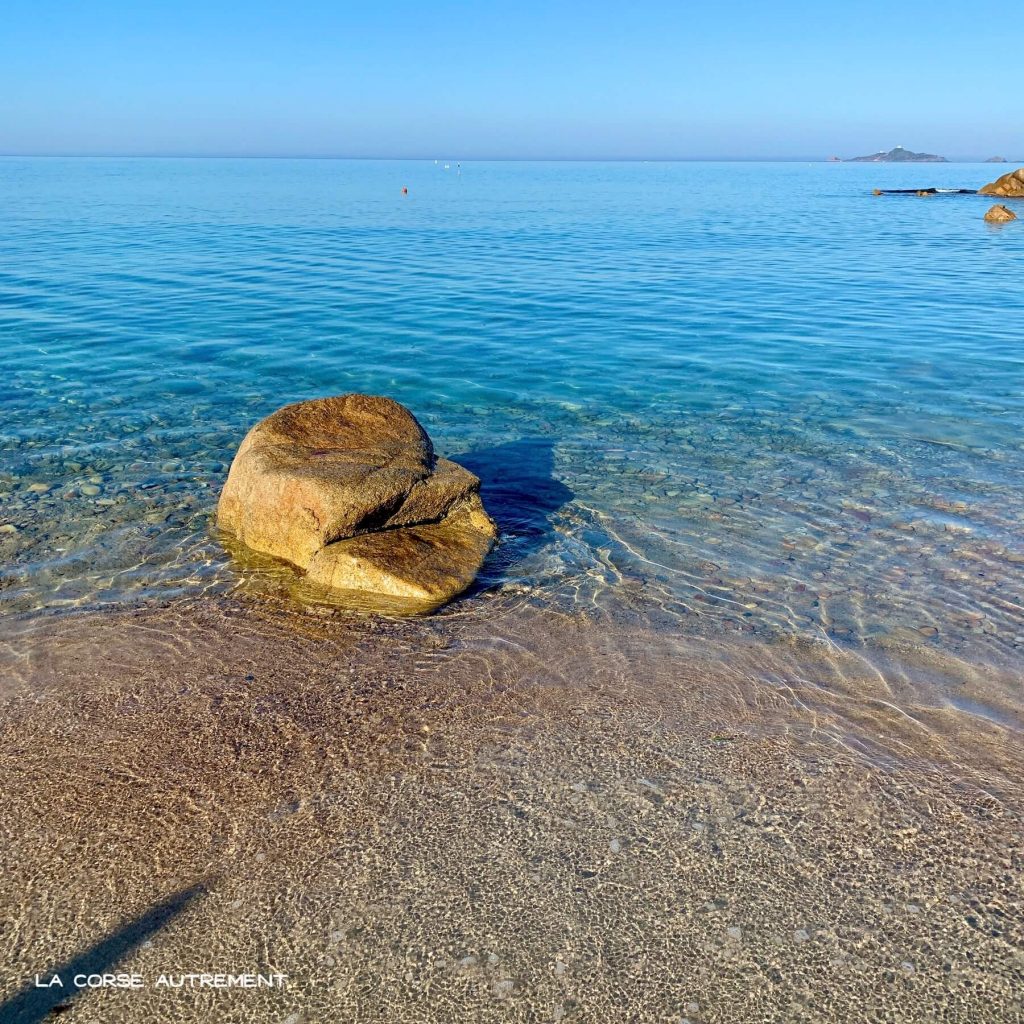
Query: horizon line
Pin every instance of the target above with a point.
(484, 159)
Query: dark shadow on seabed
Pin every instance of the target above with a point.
(521, 494)
(33, 1005)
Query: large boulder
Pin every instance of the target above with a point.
(319, 471)
(1009, 186)
(357, 470)
(999, 214)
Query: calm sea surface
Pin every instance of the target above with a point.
(729, 729)
(753, 397)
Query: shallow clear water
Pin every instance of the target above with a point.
(755, 396)
(729, 729)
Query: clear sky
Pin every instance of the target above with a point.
(440, 78)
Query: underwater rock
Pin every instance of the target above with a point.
(349, 488)
(999, 214)
(1010, 186)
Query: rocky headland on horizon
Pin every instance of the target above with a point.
(898, 155)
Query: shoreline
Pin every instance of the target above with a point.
(514, 816)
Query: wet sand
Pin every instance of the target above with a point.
(522, 815)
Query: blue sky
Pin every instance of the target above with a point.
(643, 79)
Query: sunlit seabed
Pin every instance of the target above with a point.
(527, 816)
(753, 438)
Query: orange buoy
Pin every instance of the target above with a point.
(405, 191)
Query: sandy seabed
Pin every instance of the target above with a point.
(519, 816)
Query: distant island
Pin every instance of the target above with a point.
(899, 155)
(996, 160)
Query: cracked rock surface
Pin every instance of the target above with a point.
(1010, 185)
(350, 489)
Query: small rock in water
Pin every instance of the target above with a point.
(8, 528)
(38, 488)
(1000, 214)
(735, 933)
(89, 490)
(615, 846)
(800, 935)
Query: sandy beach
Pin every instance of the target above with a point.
(523, 816)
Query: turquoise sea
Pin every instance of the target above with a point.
(755, 398)
(728, 729)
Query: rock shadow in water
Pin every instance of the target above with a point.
(521, 493)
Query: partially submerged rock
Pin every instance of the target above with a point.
(427, 564)
(349, 488)
(1010, 186)
(320, 471)
(999, 214)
